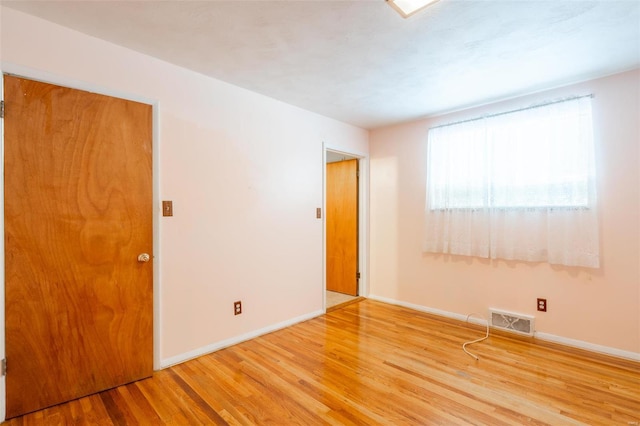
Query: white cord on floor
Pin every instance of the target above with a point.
(464, 346)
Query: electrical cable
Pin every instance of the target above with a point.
(464, 346)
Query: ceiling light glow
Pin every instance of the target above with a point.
(407, 8)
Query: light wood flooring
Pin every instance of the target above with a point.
(337, 300)
(370, 363)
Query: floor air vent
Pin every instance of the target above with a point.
(517, 323)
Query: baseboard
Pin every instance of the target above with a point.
(565, 341)
(446, 314)
(592, 347)
(178, 359)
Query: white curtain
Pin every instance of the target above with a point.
(518, 185)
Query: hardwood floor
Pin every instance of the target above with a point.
(372, 363)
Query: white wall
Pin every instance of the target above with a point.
(244, 172)
(594, 308)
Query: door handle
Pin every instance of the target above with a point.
(143, 257)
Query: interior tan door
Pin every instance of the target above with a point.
(342, 227)
(78, 213)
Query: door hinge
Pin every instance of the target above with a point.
(3, 367)
(1, 109)
(357, 275)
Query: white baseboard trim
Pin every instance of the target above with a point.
(178, 359)
(428, 310)
(633, 356)
(592, 347)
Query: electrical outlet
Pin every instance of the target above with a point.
(542, 305)
(237, 308)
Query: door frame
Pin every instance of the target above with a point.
(45, 77)
(363, 218)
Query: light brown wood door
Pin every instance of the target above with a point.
(78, 212)
(342, 227)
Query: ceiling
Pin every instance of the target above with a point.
(358, 61)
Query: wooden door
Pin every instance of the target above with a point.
(342, 227)
(78, 212)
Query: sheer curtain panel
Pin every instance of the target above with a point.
(518, 185)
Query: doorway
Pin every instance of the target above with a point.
(78, 243)
(342, 229)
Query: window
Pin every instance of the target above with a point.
(516, 185)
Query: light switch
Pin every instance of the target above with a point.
(167, 208)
